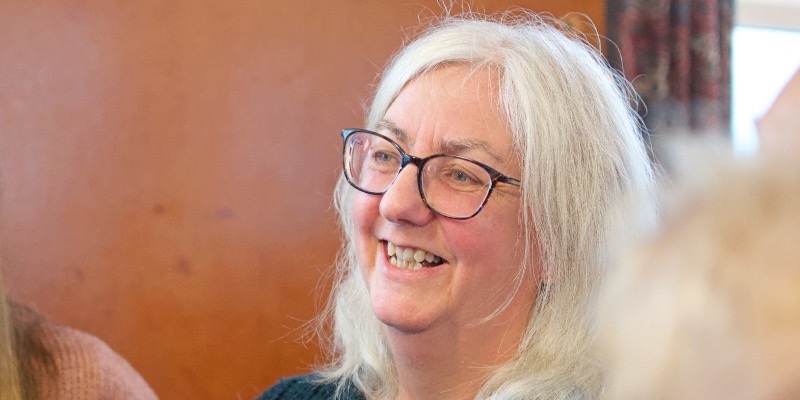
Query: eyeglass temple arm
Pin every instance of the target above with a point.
(509, 180)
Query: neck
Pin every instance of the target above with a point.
(453, 362)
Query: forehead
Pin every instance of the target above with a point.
(452, 109)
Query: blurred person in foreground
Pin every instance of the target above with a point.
(475, 205)
(709, 306)
(42, 360)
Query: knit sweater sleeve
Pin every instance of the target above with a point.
(89, 369)
(76, 365)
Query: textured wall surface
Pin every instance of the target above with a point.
(167, 169)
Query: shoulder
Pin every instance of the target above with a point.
(307, 387)
(84, 367)
(81, 353)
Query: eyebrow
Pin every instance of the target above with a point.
(457, 146)
(398, 133)
(452, 146)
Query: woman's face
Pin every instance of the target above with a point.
(449, 110)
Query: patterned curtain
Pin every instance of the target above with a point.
(677, 54)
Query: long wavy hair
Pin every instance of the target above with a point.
(581, 147)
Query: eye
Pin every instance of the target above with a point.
(383, 157)
(384, 160)
(462, 177)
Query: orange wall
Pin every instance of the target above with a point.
(167, 168)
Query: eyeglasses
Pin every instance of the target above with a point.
(450, 185)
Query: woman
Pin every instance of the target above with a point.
(40, 359)
(476, 208)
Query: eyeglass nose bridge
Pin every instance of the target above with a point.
(405, 160)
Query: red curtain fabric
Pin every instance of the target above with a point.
(677, 54)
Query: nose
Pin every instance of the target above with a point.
(402, 203)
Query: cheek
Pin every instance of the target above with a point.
(365, 214)
(365, 209)
(493, 247)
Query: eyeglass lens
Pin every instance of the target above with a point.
(450, 185)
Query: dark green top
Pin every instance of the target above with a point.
(305, 387)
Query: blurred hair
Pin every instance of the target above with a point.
(23, 357)
(708, 307)
(10, 388)
(580, 146)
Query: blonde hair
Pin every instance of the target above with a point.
(10, 385)
(23, 357)
(581, 150)
(709, 307)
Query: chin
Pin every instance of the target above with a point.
(402, 316)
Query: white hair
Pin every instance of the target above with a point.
(581, 150)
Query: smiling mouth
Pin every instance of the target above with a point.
(411, 258)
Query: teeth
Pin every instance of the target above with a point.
(389, 249)
(409, 258)
(408, 254)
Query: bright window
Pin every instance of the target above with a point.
(766, 53)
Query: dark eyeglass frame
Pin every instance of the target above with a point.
(405, 159)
